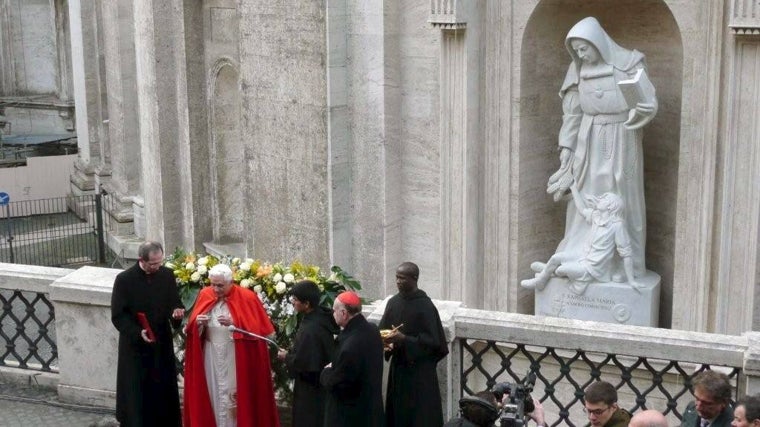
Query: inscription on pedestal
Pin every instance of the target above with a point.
(603, 302)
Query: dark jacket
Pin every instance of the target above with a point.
(691, 417)
(463, 422)
(313, 348)
(619, 418)
(354, 381)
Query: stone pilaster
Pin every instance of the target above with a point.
(7, 62)
(696, 177)
(283, 84)
(738, 206)
(461, 151)
(751, 367)
(123, 127)
(86, 80)
(163, 117)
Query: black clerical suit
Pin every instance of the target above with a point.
(354, 383)
(313, 348)
(146, 375)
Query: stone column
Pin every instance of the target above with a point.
(738, 206)
(696, 173)
(7, 63)
(461, 152)
(500, 260)
(163, 117)
(86, 80)
(283, 84)
(123, 126)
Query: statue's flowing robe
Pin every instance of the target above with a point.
(255, 404)
(413, 397)
(607, 157)
(146, 375)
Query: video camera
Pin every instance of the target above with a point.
(520, 401)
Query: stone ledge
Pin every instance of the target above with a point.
(88, 285)
(31, 278)
(87, 396)
(47, 380)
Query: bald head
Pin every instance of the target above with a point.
(648, 418)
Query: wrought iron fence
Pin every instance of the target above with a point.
(563, 374)
(62, 231)
(28, 331)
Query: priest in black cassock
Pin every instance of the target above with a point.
(414, 349)
(313, 348)
(146, 376)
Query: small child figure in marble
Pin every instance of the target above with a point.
(608, 234)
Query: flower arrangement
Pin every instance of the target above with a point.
(271, 281)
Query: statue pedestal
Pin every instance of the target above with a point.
(603, 302)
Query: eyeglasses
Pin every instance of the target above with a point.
(596, 412)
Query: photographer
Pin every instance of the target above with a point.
(480, 410)
(517, 404)
(483, 410)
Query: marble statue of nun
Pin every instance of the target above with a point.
(600, 138)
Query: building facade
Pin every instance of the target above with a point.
(366, 133)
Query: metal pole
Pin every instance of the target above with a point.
(99, 220)
(10, 231)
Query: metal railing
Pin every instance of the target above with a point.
(563, 374)
(27, 331)
(62, 231)
(651, 368)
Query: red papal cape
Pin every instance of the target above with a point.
(255, 399)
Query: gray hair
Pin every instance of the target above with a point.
(222, 271)
(147, 248)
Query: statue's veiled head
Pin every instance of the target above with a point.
(590, 31)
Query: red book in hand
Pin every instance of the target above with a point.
(143, 319)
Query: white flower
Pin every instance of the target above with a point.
(289, 278)
(195, 277)
(203, 260)
(249, 261)
(170, 266)
(280, 287)
(235, 261)
(289, 310)
(190, 266)
(202, 269)
(257, 288)
(246, 283)
(277, 277)
(246, 266)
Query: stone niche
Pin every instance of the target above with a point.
(644, 25)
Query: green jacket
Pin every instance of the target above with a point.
(620, 418)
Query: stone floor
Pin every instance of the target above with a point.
(34, 406)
